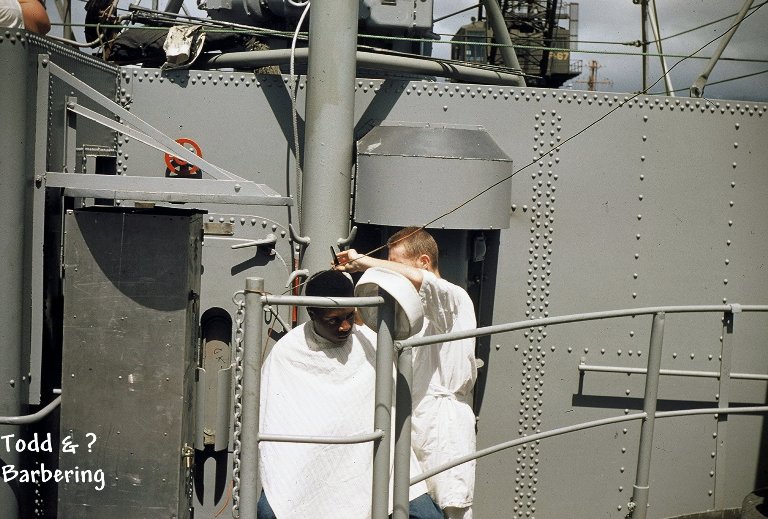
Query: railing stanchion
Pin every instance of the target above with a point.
(641, 487)
(382, 418)
(403, 434)
(723, 400)
(249, 430)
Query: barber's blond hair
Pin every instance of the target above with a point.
(415, 241)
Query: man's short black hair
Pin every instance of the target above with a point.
(329, 283)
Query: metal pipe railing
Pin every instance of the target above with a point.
(382, 414)
(401, 485)
(669, 372)
(329, 440)
(322, 302)
(31, 418)
(386, 347)
(249, 429)
(641, 488)
(639, 502)
(573, 318)
(580, 427)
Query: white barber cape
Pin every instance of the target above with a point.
(313, 387)
(443, 376)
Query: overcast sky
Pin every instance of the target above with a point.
(619, 21)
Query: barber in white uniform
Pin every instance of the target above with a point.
(443, 374)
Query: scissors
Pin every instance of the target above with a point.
(333, 255)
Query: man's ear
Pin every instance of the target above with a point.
(424, 262)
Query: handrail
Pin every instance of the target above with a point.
(669, 372)
(322, 302)
(329, 440)
(580, 427)
(572, 318)
(641, 487)
(31, 418)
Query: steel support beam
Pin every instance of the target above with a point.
(641, 487)
(249, 428)
(382, 417)
(403, 407)
(15, 138)
(328, 141)
(723, 400)
(697, 89)
(401, 64)
(162, 189)
(654, 19)
(501, 35)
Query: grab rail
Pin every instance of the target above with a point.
(638, 504)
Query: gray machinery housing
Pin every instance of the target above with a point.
(660, 203)
(375, 16)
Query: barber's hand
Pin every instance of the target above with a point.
(351, 261)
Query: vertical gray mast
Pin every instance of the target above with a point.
(329, 124)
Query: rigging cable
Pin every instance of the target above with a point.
(294, 121)
(753, 8)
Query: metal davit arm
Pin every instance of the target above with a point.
(697, 89)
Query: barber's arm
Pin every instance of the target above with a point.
(352, 261)
(35, 16)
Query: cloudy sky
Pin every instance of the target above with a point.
(615, 21)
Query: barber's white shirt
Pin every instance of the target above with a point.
(11, 15)
(443, 376)
(313, 387)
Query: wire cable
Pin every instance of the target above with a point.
(295, 115)
(754, 7)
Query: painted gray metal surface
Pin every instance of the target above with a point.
(642, 216)
(130, 336)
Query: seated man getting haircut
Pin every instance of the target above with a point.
(319, 380)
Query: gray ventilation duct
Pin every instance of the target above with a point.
(410, 174)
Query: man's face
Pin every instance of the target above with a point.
(397, 254)
(333, 324)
